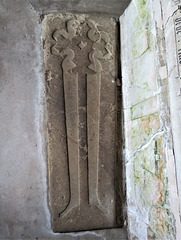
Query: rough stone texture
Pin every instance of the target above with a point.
(23, 173)
(152, 198)
(80, 53)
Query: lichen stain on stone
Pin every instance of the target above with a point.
(141, 3)
(149, 182)
(142, 35)
(151, 189)
(161, 223)
(142, 129)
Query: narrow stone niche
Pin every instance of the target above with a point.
(80, 58)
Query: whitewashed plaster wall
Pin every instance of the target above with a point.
(151, 95)
(172, 25)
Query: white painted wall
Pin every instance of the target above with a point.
(151, 116)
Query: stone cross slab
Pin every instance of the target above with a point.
(80, 71)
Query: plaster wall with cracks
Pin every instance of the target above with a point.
(143, 145)
(135, 198)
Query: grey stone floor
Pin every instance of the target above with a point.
(24, 212)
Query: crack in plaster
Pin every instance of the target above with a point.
(145, 144)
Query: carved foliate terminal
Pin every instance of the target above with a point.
(81, 71)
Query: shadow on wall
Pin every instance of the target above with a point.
(105, 7)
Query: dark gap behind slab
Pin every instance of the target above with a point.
(120, 175)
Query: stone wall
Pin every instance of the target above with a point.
(24, 210)
(150, 38)
(152, 197)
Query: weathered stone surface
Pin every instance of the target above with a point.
(81, 69)
(23, 175)
(24, 207)
(147, 125)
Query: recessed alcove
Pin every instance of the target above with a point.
(146, 119)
